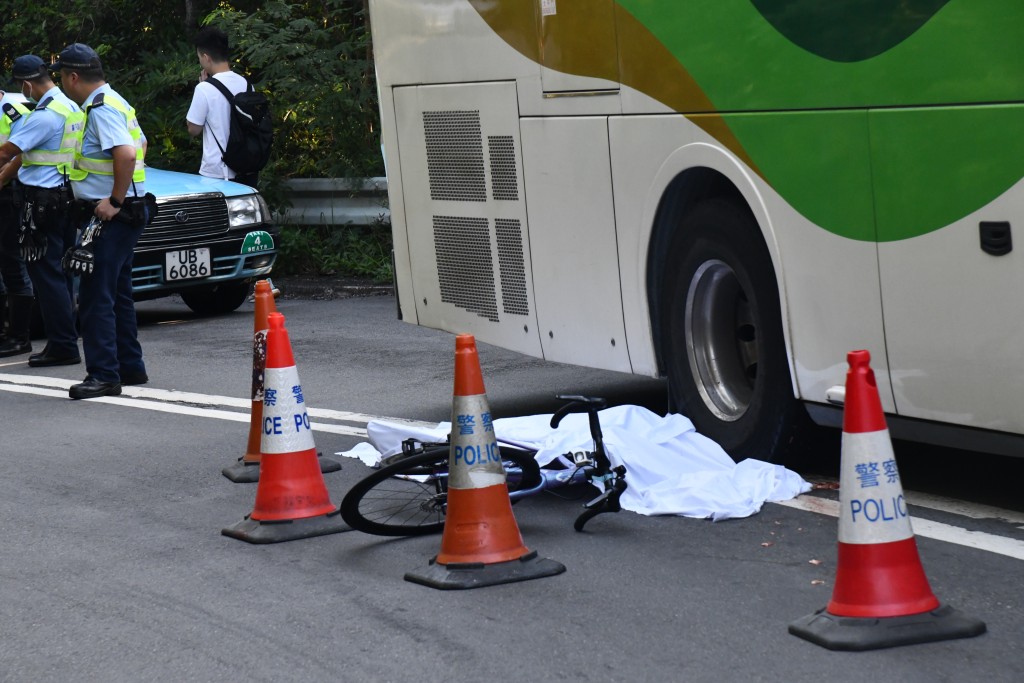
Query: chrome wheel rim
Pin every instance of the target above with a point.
(721, 340)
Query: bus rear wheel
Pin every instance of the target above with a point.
(723, 344)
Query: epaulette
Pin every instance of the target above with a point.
(10, 112)
(98, 102)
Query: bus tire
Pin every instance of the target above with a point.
(723, 346)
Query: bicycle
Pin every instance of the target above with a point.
(408, 495)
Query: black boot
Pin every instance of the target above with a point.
(18, 341)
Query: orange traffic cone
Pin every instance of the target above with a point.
(291, 499)
(481, 544)
(881, 596)
(247, 469)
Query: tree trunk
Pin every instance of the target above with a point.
(190, 16)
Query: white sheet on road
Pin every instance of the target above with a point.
(670, 468)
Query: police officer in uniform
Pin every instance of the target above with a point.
(47, 143)
(112, 191)
(15, 286)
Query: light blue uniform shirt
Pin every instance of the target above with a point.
(105, 128)
(42, 130)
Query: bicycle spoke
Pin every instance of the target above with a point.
(403, 501)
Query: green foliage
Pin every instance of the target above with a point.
(312, 58)
(326, 250)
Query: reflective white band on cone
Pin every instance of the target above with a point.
(285, 421)
(872, 506)
(259, 363)
(475, 461)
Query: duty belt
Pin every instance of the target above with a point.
(41, 195)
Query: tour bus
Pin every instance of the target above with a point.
(732, 194)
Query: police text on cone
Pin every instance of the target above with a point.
(881, 596)
(481, 544)
(291, 487)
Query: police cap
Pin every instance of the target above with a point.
(77, 56)
(28, 67)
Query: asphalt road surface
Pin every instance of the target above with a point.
(113, 566)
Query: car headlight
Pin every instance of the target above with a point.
(246, 210)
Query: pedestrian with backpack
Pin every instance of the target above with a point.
(233, 119)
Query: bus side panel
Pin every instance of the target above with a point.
(831, 301)
(572, 240)
(444, 41)
(953, 307)
(465, 211)
(396, 205)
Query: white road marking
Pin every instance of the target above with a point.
(1001, 545)
(186, 403)
(956, 507)
(177, 409)
(964, 509)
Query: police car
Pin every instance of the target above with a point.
(210, 240)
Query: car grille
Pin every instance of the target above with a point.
(191, 220)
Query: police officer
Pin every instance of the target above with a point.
(15, 286)
(112, 189)
(47, 142)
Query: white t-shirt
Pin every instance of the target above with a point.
(210, 110)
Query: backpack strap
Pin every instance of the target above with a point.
(223, 89)
(231, 103)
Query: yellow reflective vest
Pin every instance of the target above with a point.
(70, 143)
(12, 111)
(105, 166)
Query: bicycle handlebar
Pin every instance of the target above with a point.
(607, 501)
(579, 404)
(589, 405)
(612, 479)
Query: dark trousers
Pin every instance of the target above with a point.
(53, 288)
(109, 328)
(14, 278)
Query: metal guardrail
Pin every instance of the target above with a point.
(337, 201)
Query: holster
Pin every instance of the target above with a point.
(135, 210)
(48, 204)
(82, 210)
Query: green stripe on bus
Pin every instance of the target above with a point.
(821, 124)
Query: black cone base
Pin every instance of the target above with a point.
(857, 633)
(254, 531)
(243, 472)
(478, 574)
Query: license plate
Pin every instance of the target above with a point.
(187, 264)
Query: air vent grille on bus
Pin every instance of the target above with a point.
(465, 266)
(455, 155)
(510, 264)
(503, 167)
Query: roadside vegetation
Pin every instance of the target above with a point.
(362, 252)
(313, 59)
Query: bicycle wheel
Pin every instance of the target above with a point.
(410, 497)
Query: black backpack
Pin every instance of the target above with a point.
(252, 133)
